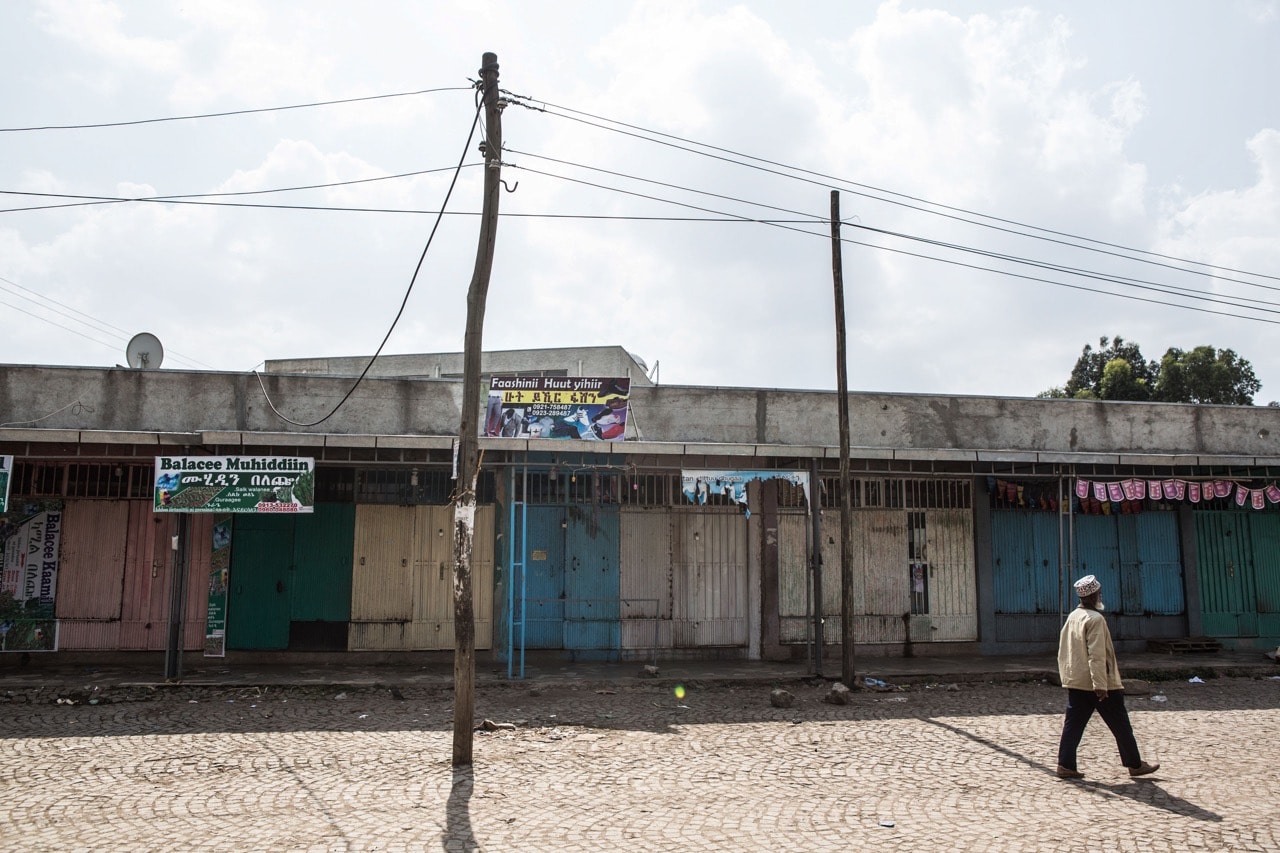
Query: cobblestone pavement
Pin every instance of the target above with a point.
(629, 766)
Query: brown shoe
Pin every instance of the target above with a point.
(1064, 773)
(1143, 769)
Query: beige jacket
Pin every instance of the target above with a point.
(1086, 658)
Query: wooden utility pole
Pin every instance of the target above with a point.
(464, 508)
(847, 602)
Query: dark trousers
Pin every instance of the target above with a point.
(1080, 707)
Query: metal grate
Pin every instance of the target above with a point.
(412, 486)
(791, 496)
(576, 487)
(899, 493)
(109, 480)
(918, 562)
(38, 479)
(650, 489)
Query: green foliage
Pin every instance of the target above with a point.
(1117, 370)
(1087, 375)
(1206, 375)
(1119, 382)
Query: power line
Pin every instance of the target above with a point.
(93, 323)
(1127, 281)
(412, 279)
(98, 199)
(1123, 281)
(725, 217)
(518, 101)
(231, 112)
(1084, 273)
(193, 200)
(525, 101)
(59, 325)
(934, 258)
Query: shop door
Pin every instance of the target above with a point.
(709, 578)
(645, 577)
(1226, 567)
(433, 624)
(290, 582)
(148, 578)
(258, 599)
(1098, 554)
(90, 580)
(320, 578)
(1024, 552)
(1156, 585)
(541, 609)
(1266, 545)
(592, 622)
(950, 582)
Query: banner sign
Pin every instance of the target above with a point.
(215, 625)
(30, 584)
(1098, 496)
(593, 409)
(697, 485)
(6, 468)
(234, 484)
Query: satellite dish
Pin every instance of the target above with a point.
(144, 351)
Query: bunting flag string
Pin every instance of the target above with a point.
(1138, 489)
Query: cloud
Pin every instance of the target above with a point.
(1017, 113)
(1233, 228)
(98, 27)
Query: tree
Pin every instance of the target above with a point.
(1086, 381)
(1119, 382)
(1206, 375)
(1118, 371)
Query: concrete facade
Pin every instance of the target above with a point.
(666, 419)
(565, 361)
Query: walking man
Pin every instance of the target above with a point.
(1089, 672)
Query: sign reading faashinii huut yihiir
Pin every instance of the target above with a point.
(235, 484)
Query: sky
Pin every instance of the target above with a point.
(1015, 181)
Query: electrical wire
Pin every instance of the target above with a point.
(1012, 258)
(59, 325)
(571, 114)
(1143, 284)
(1092, 274)
(231, 112)
(521, 100)
(202, 198)
(78, 406)
(92, 322)
(412, 279)
(98, 199)
(719, 216)
(922, 256)
(402, 210)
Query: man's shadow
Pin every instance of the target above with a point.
(458, 834)
(1142, 791)
(1147, 791)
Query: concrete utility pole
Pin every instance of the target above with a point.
(847, 601)
(464, 509)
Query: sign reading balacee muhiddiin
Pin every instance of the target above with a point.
(235, 484)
